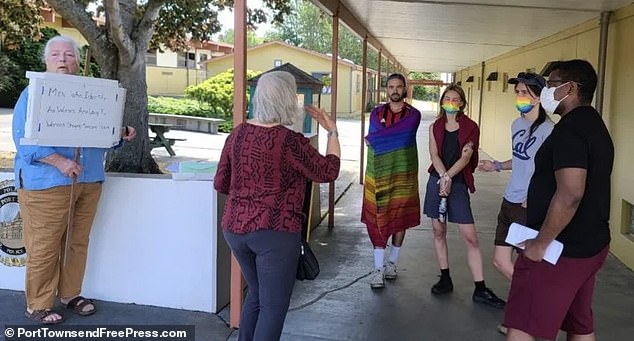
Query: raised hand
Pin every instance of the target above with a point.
(324, 120)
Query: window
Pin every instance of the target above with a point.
(150, 57)
(187, 60)
(202, 57)
(277, 62)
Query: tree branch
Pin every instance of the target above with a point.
(76, 14)
(119, 37)
(145, 30)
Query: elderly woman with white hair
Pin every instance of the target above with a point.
(263, 169)
(43, 176)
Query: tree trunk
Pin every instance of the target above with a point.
(134, 156)
(120, 51)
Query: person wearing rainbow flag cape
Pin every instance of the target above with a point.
(453, 149)
(391, 202)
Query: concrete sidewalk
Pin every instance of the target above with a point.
(340, 305)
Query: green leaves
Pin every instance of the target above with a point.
(217, 92)
(20, 19)
(180, 20)
(25, 56)
(308, 27)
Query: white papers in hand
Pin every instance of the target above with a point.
(519, 233)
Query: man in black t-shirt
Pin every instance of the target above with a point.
(568, 200)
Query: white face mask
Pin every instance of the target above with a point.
(547, 98)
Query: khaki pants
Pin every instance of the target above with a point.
(45, 215)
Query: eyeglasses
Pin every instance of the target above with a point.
(553, 82)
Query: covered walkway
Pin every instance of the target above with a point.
(340, 305)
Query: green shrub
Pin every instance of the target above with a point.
(369, 106)
(226, 126)
(217, 92)
(177, 106)
(9, 74)
(188, 107)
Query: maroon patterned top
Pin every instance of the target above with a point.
(264, 172)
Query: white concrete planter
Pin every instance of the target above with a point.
(155, 241)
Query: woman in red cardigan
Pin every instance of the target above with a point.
(453, 149)
(263, 169)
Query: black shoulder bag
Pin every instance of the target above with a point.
(307, 266)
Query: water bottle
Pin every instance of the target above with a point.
(442, 210)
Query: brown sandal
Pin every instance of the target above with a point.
(40, 316)
(78, 303)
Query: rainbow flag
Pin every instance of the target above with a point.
(391, 200)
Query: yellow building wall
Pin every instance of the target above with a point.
(580, 42)
(171, 81)
(262, 59)
(498, 109)
(65, 31)
(618, 104)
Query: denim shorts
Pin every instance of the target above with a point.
(458, 202)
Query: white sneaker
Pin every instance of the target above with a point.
(390, 270)
(376, 281)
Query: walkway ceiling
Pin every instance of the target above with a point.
(447, 36)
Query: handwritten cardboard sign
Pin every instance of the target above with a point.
(73, 111)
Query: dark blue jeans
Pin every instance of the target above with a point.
(268, 260)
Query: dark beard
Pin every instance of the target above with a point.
(398, 99)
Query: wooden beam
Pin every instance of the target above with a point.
(333, 108)
(378, 81)
(364, 89)
(351, 22)
(239, 115)
(428, 82)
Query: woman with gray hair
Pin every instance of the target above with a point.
(263, 169)
(43, 177)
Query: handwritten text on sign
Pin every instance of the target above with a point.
(73, 111)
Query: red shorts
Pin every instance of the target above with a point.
(545, 298)
(379, 238)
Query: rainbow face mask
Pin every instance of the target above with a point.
(523, 104)
(450, 107)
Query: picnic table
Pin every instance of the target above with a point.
(160, 140)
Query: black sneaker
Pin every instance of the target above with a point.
(444, 286)
(487, 297)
